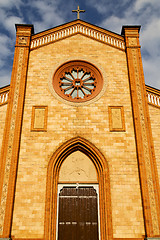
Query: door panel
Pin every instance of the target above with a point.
(78, 214)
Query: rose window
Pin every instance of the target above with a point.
(77, 81)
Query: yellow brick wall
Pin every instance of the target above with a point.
(3, 110)
(65, 122)
(154, 113)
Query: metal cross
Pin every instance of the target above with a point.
(78, 11)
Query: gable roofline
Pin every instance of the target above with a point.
(73, 22)
(152, 89)
(4, 88)
(77, 27)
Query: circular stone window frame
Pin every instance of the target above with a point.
(63, 65)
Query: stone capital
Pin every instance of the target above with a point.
(130, 31)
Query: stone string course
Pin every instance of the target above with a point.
(153, 99)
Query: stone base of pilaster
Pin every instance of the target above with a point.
(152, 238)
(5, 238)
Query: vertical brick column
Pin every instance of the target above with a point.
(12, 131)
(145, 150)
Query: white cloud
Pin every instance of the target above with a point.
(8, 21)
(5, 78)
(49, 13)
(113, 23)
(139, 4)
(5, 51)
(11, 13)
(50, 16)
(151, 46)
(151, 37)
(109, 6)
(151, 70)
(9, 3)
(143, 13)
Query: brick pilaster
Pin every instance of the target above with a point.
(12, 131)
(145, 149)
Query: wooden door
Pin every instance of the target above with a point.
(78, 214)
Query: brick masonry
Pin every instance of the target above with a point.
(155, 124)
(3, 110)
(90, 122)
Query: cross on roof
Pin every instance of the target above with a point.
(78, 11)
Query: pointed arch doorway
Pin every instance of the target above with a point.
(101, 222)
(78, 199)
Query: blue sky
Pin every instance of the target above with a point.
(109, 14)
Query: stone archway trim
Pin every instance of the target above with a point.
(101, 166)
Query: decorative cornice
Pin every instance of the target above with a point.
(130, 30)
(4, 93)
(153, 96)
(77, 27)
(26, 26)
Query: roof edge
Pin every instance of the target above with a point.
(152, 89)
(4, 87)
(76, 21)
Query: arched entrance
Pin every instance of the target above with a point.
(100, 164)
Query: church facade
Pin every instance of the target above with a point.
(80, 137)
